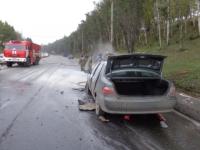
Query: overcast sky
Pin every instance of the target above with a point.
(45, 20)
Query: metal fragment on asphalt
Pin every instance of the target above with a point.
(86, 106)
(103, 119)
(163, 124)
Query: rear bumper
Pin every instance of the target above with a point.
(141, 105)
(16, 59)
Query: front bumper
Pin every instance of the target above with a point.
(138, 105)
(16, 59)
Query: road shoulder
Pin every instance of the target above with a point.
(188, 105)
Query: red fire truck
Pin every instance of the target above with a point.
(23, 53)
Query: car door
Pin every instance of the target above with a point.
(89, 78)
(95, 77)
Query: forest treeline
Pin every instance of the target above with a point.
(7, 32)
(135, 23)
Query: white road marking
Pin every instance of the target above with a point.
(196, 123)
(144, 141)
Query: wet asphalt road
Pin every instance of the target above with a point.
(39, 111)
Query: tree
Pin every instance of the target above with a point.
(158, 22)
(7, 32)
(129, 19)
(135, 21)
(198, 13)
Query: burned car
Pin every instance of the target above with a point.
(131, 84)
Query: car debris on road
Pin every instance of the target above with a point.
(86, 106)
(103, 119)
(90, 105)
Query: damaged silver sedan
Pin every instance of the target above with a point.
(131, 84)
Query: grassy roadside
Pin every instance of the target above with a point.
(182, 67)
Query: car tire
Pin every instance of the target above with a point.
(99, 111)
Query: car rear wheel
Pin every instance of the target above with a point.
(99, 111)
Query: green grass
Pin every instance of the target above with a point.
(182, 67)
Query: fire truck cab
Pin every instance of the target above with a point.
(23, 53)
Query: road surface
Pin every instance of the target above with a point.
(39, 111)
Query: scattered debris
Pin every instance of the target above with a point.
(86, 106)
(163, 124)
(82, 83)
(162, 120)
(103, 119)
(161, 117)
(85, 100)
(80, 102)
(79, 89)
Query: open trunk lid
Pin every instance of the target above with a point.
(153, 63)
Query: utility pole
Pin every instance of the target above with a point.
(82, 37)
(82, 42)
(111, 25)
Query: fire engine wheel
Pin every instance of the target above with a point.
(20, 64)
(28, 62)
(9, 64)
(36, 61)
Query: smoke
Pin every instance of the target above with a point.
(103, 48)
(100, 51)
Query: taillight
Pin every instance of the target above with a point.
(107, 91)
(172, 91)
